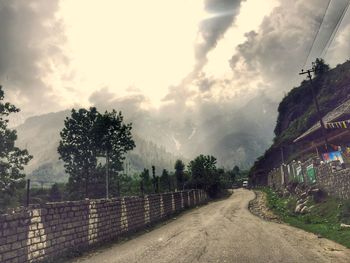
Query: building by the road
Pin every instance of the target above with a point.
(327, 168)
(337, 124)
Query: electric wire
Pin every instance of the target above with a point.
(335, 31)
(317, 33)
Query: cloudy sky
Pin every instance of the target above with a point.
(158, 54)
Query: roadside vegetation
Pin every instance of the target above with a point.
(324, 219)
(93, 147)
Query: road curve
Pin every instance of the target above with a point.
(223, 231)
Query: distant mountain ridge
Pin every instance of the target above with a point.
(40, 135)
(235, 139)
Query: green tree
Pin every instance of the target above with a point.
(236, 172)
(146, 184)
(204, 174)
(87, 135)
(155, 180)
(165, 181)
(113, 139)
(179, 173)
(55, 194)
(12, 159)
(77, 149)
(320, 67)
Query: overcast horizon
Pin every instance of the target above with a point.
(62, 54)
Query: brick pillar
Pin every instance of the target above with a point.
(36, 241)
(124, 217)
(161, 206)
(93, 222)
(147, 212)
(172, 203)
(182, 200)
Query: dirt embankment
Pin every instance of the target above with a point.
(258, 207)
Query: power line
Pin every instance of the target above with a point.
(318, 31)
(334, 33)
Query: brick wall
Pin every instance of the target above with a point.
(48, 231)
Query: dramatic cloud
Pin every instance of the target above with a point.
(228, 113)
(277, 51)
(131, 105)
(211, 30)
(30, 48)
(222, 14)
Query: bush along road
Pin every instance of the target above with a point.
(311, 210)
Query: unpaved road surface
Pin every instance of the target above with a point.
(223, 231)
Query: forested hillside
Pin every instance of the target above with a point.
(40, 135)
(297, 113)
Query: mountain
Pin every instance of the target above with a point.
(297, 113)
(240, 137)
(236, 137)
(40, 135)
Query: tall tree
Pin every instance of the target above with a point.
(165, 181)
(87, 135)
(179, 173)
(55, 194)
(113, 139)
(204, 174)
(236, 172)
(320, 67)
(145, 181)
(12, 159)
(77, 149)
(155, 180)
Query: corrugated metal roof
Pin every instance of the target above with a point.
(342, 109)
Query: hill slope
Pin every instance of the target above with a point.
(297, 113)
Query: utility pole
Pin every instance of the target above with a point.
(107, 175)
(323, 129)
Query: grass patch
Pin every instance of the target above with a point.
(324, 219)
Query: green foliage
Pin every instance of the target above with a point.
(179, 173)
(205, 175)
(344, 214)
(86, 136)
(113, 137)
(49, 172)
(55, 194)
(297, 111)
(202, 170)
(129, 185)
(324, 218)
(165, 181)
(12, 159)
(320, 67)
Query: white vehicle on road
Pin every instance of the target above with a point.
(245, 184)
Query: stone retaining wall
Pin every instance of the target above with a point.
(39, 233)
(336, 182)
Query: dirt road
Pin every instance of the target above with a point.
(223, 231)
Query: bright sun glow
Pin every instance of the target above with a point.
(146, 45)
(119, 44)
(251, 15)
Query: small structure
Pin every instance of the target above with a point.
(337, 123)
